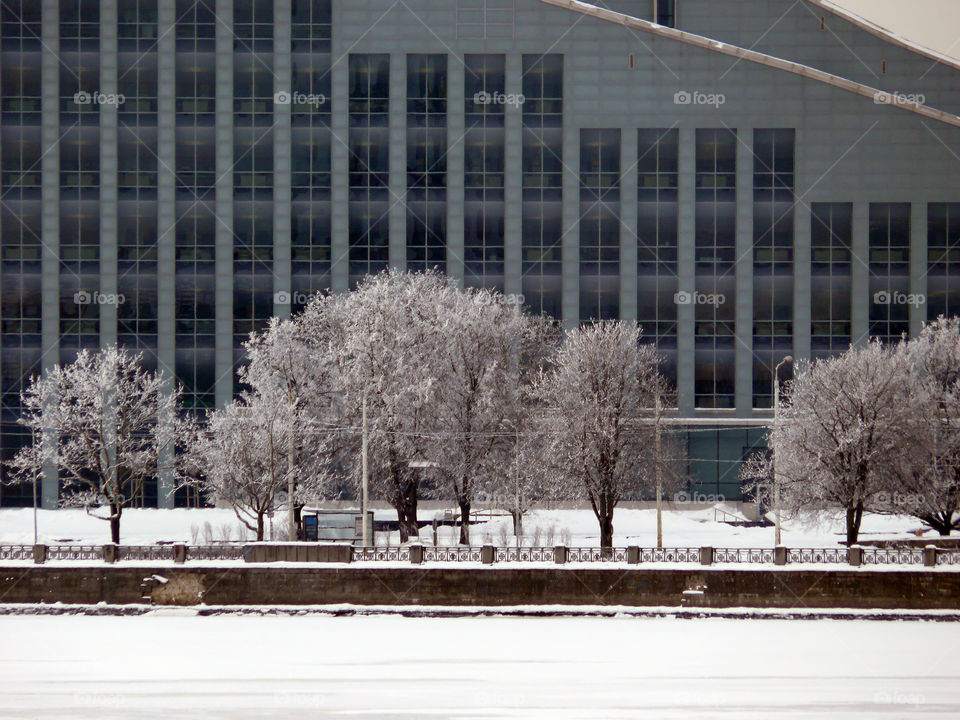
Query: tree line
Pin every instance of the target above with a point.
(463, 396)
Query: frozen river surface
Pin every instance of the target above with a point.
(169, 665)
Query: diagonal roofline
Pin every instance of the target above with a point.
(880, 97)
(885, 34)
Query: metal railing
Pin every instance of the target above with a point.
(893, 556)
(384, 554)
(16, 552)
(856, 556)
(820, 556)
(744, 555)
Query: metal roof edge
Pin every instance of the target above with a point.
(880, 97)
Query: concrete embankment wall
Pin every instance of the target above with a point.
(319, 585)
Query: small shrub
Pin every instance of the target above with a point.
(207, 533)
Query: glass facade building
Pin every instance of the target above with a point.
(173, 173)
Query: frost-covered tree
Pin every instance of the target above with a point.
(600, 400)
(107, 425)
(386, 348)
(842, 429)
(925, 480)
(487, 351)
(288, 364)
(244, 457)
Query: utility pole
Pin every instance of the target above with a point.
(364, 477)
(516, 482)
(657, 460)
(291, 484)
(36, 472)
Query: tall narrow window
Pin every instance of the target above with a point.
(773, 173)
(484, 157)
(426, 162)
(889, 270)
(310, 228)
(665, 12)
(831, 233)
(715, 241)
(369, 165)
(657, 153)
(542, 182)
(599, 224)
(943, 262)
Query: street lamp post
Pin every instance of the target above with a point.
(776, 415)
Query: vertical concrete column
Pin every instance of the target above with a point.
(50, 211)
(166, 213)
(860, 275)
(224, 203)
(166, 185)
(802, 299)
(339, 160)
(513, 180)
(108, 171)
(686, 268)
(282, 149)
(743, 271)
(628, 224)
(456, 150)
(918, 265)
(398, 160)
(570, 242)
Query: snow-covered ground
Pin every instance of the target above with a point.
(694, 528)
(170, 664)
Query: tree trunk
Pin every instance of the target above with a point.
(941, 522)
(115, 524)
(606, 530)
(517, 523)
(406, 507)
(854, 516)
(260, 527)
(464, 522)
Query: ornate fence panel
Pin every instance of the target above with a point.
(524, 554)
(16, 552)
(830, 556)
(146, 552)
(451, 554)
(946, 557)
(743, 555)
(678, 554)
(215, 552)
(388, 554)
(74, 552)
(595, 554)
(893, 556)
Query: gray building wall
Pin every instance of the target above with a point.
(848, 149)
